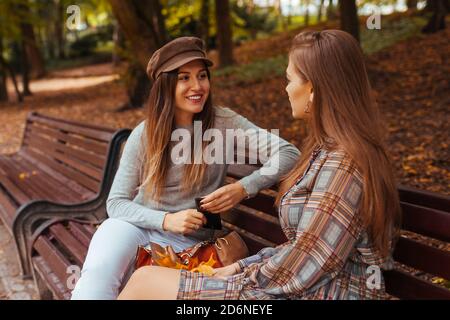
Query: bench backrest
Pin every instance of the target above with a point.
(424, 213)
(73, 149)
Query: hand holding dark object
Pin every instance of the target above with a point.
(183, 222)
(213, 221)
(224, 198)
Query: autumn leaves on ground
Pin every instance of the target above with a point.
(411, 79)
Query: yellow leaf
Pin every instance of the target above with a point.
(203, 268)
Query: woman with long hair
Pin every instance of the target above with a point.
(179, 153)
(338, 207)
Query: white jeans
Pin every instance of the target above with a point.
(110, 258)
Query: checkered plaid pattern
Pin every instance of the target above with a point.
(328, 251)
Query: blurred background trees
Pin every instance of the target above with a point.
(35, 35)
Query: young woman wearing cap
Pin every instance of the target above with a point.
(153, 195)
(338, 207)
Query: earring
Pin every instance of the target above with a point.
(308, 105)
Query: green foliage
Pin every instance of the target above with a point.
(254, 20)
(90, 40)
(252, 72)
(182, 17)
(391, 31)
(76, 62)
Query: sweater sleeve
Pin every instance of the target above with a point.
(276, 154)
(120, 204)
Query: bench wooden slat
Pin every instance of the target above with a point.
(424, 198)
(7, 208)
(426, 221)
(100, 135)
(35, 186)
(72, 244)
(83, 192)
(260, 223)
(96, 127)
(96, 161)
(80, 233)
(86, 181)
(423, 257)
(405, 286)
(23, 189)
(90, 145)
(46, 185)
(55, 259)
(90, 228)
(18, 195)
(46, 273)
(68, 160)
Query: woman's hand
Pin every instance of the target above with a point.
(226, 271)
(184, 221)
(224, 198)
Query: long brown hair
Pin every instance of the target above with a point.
(343, 113)
(158, 129)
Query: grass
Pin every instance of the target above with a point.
(252, 72)
(391, 32)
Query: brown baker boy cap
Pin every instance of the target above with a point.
(176, 53)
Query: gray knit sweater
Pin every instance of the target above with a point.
(126, 199)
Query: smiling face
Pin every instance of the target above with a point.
(191, 92)
(299, 91)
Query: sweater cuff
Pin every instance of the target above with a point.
(156, 220)
(250, 186)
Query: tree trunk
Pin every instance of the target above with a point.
(306, 2)
(119, 43)
(224, 33)
(349, 17)
(34, 56)
(59, 28)
(331, 11)
(203, 31)
(25, 68)
(439, 10)
(144, 30)
(319, 14)
(5, 66)
(279, 12)
(411, 4)
(289, 17)
(3, 88)
(50, 45)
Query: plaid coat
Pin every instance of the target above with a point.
(328, 254)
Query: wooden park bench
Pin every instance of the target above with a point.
(62, 171)
(62, 243)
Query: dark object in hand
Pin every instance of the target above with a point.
(213, 220)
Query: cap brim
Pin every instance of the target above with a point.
(182, 62)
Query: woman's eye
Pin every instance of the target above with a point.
(203, 76)
(183, 78)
